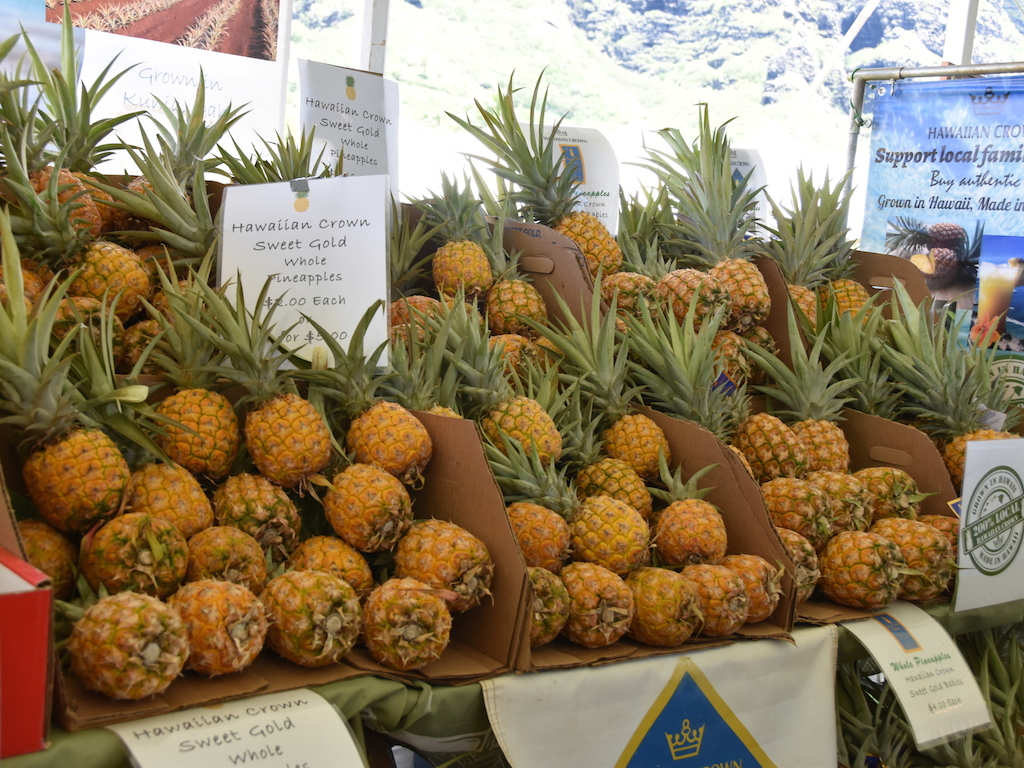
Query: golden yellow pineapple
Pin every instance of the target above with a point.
(628, 290)
(392, 438)
(128, 646)
(800, 506)
(314, 617)
(666, 612)
(949, 525)
(763, 582)
(549, 609)
(227, 553)
(613, 477)
(207, 440)
(368, 507)
(327, 553)
(689, 530)
(892, 492)
(690, 291)
(406, 624)
(610, 533)
(171, 492)
(954, 453)
(805, 560)
(771, 448)
(523, 419)
(446, 556)
(138, 552)
(861, 569)
(227, 625)
(721, 598)
(926, 552)
(511, 299)
(637, 440)
(51, 552)
(261, 509)
(105, 270)
(851, 502)
(848, 294)
(601, 605)
(542, 534)
(519, 352)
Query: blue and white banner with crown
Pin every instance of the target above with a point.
(750, 704)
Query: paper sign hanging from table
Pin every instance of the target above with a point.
(323, 245)
(693, 708)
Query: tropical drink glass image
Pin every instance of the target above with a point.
(995, 292)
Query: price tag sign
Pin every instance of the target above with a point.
(990, 560)
(589, 157)
(355, 113)
(323, 243)
(290, 729)
(927, 672)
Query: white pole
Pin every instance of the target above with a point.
(959, 47)
(375, 35)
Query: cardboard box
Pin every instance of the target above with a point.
(26, 648)
(459, 487)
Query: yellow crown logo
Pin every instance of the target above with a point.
(989, 103)
(686, 743)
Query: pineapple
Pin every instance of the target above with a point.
(810, 242)
(861, 569)
(950, 528)
(610, 533)
(226, 623)
(810, 398)
(689, 530)
(446, 556)
(545, 188)
(714, 214)
(53, 553)
(261, 509)
(287, 437)
(314, 617)
(368, 507)
(135, 551)
(601, 605)
(771, 448)
(227, 553)
(599, 475)
(926, 551)
(892, 492)
(666, 613)
(460, 264)
(763, 582)
(851, 501)
(944, 383)
(128, 646)
(800, 506)
(542, 534)
(172, 493)
(406, 624)
(721, 598)
(550, 608)
(942, 251)
(805, 559)
(327, 553)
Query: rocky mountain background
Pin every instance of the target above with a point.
(630, 67)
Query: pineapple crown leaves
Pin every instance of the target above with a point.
(420, 377)
(714, 211)
(185, 221)
(522, 476)
(676, 489)
(680, 369)
(944, 382)
(906, 236)
(409, 236)
(808, 390)
(594, 355)
(810, 239)
(528, 159)
(283, 159)
(186, 138)
(247, 339)
(69, 105)
(351, 381)
(456, 212)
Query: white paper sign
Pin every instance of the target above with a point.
(354, 112)
(171, 73)
(748, 161)
(589, 155)
(991, 564)
(290, 729)
(927, 673)
(325, 244)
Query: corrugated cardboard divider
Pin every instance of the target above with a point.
(459, 487)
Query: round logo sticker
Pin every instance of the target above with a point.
(993, 521)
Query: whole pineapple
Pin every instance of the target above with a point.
(892, 492)
(137, 552)
(763, 582)
(53, 553)
(171, 492)
(261, 509)
(601, 605)
(771, 448)
(314, 617)
(800, 506)
(610, 533)
(666, 613)
(805, 560)
(334, 555)
(446, 556)
(227, 625)
(542, 534)
(368, 507)
(227, 553)
(128, 646)
(406, 624)
(926, 551)
(861, 569)
(851, 501)
(550, 607)
(721, 598)
(689, 530)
